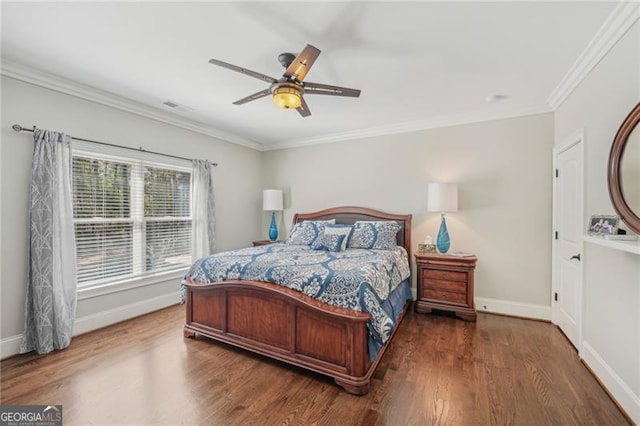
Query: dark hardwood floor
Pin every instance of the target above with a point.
(438, 370)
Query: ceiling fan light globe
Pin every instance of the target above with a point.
(287, 97)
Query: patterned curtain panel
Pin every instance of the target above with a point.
(50, 307)
(203, 212)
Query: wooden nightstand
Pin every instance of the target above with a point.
(263, 242)
(445, 282)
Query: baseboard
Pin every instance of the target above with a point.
(11, 345)
(516, 309)
(112, 316)
(617, 388)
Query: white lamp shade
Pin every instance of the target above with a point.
(442, 197)
(272, 200)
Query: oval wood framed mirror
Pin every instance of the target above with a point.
(624, 171)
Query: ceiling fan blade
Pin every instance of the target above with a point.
(257, 95)
(303, 109)
(245, 71)
(325, 89)
(302, 63)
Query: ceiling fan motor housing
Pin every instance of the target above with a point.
(286, 59)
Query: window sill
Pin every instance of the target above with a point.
(628, 246)
(117, 286)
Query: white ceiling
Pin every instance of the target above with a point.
(417, 63)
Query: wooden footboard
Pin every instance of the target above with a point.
(286, 325)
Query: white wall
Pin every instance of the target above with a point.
(611, 305)
(504, 172)
(237, 182)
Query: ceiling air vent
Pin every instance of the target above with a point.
(176, 106)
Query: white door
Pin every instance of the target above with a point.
(567, 288)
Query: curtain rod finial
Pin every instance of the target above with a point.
(17, 127)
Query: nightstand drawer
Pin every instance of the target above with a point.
(455, 286)
(444, 275)
(446, 296)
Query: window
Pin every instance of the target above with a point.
(132, 217)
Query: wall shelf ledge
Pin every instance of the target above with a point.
(628, 246)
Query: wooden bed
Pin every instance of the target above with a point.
(287, 325)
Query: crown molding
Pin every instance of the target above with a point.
(614, 28)
(69, 87)
(432, 123)
(616, 25)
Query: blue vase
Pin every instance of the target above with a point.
(273, 229)
(443, 243)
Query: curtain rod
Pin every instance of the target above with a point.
(19, 128)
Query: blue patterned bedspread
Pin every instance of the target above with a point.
(357, 279)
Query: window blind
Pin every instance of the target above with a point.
(167, 203)
(132, 218)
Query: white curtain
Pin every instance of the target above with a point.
(50, 308)
(203, 210)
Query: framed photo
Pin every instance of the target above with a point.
(426, 248)
(603, 225)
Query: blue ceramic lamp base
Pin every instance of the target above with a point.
(442, 242)
(273, 229)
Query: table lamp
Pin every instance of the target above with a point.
(272, 202)
(443, 198)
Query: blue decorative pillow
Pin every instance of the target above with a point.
(374, 235)
(331, 242)
(334, 238)
(306, 232)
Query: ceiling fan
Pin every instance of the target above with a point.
(289, 90)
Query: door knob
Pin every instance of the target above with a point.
(575, 256)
